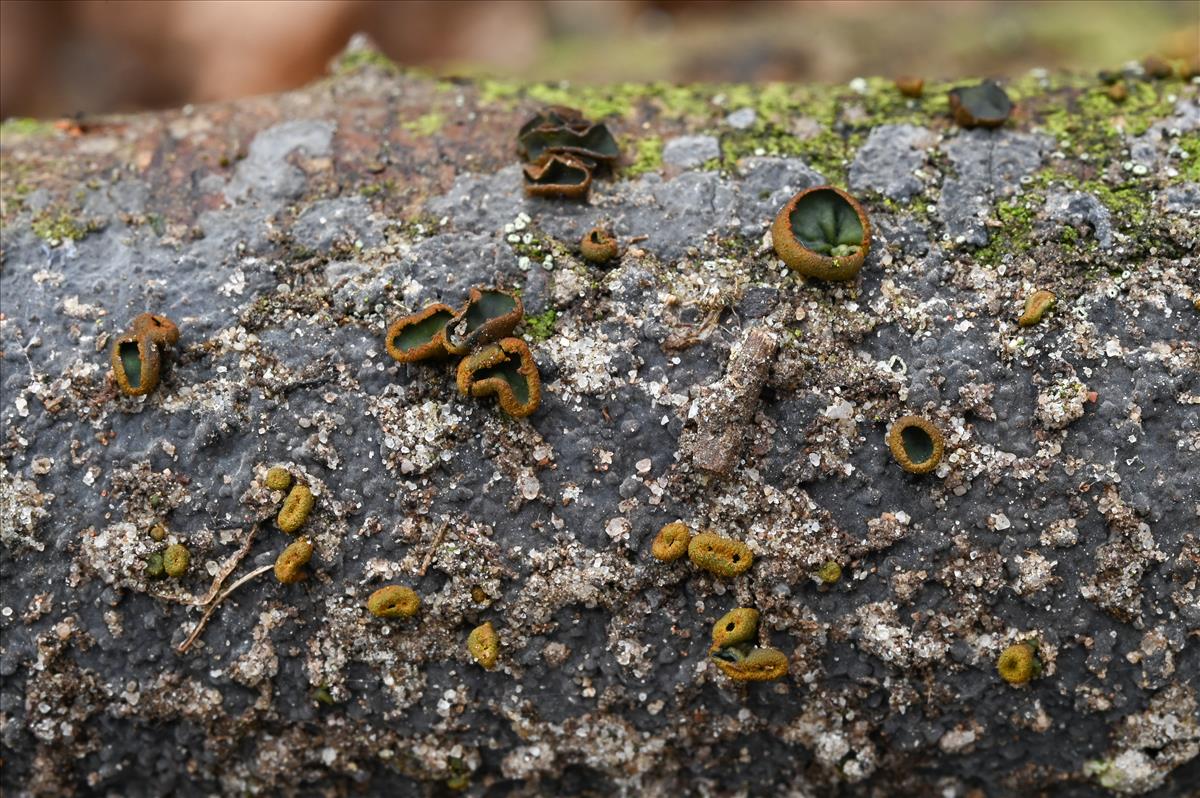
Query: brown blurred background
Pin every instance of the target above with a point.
(60, 58)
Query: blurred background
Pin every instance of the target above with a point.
(62, 58)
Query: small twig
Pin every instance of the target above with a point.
(437, 541)
(227, 569)
(637, 239)
(186, 644)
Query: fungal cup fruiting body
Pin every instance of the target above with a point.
(829, 573)
(295, 510)
(394, 601)
(1018, 664)
(738, 626)
(598, 245)
(1036, 306)
(558, 176)
(137, 355)
(720, 555)
(985, 105)
(278, 478)
(289, 565)
(420, 335)
(910, 87)
(175, 560)
(484, 645)
(505, 369)
(559, 129)
(734, 652)
(154, 567)
(916, 444)
(671, 542)
(488, 315)
(822, 232)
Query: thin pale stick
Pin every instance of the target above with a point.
(437, 541)
(186, 644)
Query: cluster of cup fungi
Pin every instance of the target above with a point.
(822, 232)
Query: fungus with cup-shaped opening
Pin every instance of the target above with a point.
(671, 542)
(751, 665)
(488, 315)
(739, 625)
(822, 232)
(289, 565)
(1018, 663)
(720, 555)
(985, 105)
(598, 245)
(419, 335)
(555, 175)
(557, 129)
(136, 358)
(1036, 306)
(916, 444)
(176, 560)
(394, 601)
(505, 369)
(484, 645)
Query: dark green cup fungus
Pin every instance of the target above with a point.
(289, 565)
(137, 354)
(176, 560)
(598, 245)
(558, 129)
(419, 335)
(555, 175)
(394, 601)
(489, 315)
(505, 369)
(916, 444)
(985, 105)
(822, 232)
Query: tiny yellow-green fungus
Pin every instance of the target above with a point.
(1036, 306)
(916, 444)
(176, 560)
(1018, 663)
(394, 601)
(720, 555)
(295, 510)
(289, 565)
(279, 478)
(671, 542)
(739, 625)
(484, 645)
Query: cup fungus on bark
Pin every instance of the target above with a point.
(985, 105)
(822, 232)
(137, 354)
(1036, 306)
(394, 601)
(488, 315)
(1018, 664)
(295, 510)
(555, 175)
(753, 665)
(289, 565)
(916, 444)
(671, 542)
(484, 645)
(598, 245)
(720, 555)
(419, 335)
(505, 369)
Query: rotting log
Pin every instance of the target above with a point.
(283, 234)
